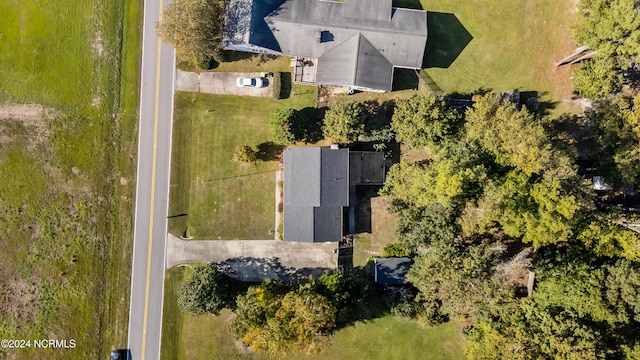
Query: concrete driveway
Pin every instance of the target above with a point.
(255, 260)
(219, 83)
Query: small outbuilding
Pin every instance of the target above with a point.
(391, 271)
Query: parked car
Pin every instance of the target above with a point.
(249, 82)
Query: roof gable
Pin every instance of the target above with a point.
(316, 188)
(355, 62)
(400, 35)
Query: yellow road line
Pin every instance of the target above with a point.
(153, 190)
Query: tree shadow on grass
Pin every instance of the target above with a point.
(269, 151)
(310, 126)
(446, 40)
(255, 270)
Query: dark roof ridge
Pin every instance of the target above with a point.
(359, 29)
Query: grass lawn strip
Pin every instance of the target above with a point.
(67, 178)
(211, 196)
(514, 46)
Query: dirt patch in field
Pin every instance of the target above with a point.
(25, 123)
(18, 297)
(98, 44)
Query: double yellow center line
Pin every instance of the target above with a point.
(153, 190)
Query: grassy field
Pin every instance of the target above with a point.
(388, 338)
(67, 147)
(500, 45)
(212, 196)
(383, 231)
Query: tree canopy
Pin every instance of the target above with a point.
(616, 126)
(344, 122)
(208, 291)
(422, 121)
(285, 126)
(193, 28)
(612, 28)
(498, 185)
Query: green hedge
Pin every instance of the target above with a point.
(277, 85)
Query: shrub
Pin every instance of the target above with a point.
(283, 126)
(244, 154)
(277, 85)
(394, 250)
(219, 56)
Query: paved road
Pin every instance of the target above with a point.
(154, 155)
(255, 260)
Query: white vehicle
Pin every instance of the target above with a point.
(249, 82)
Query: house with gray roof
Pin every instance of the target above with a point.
(317, 185)
(354, 43)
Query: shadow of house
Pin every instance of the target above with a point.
(447, 39)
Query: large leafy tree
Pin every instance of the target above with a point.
(459, 283)
(419, 227)
(285, 126)
(598, 77)
(423, 120)
(300, 324)
(515, 137)
(612, 27)
(193, 28)
(208, 291)
(582, 308)
(344, 122)
(616, 127)
(455, 172)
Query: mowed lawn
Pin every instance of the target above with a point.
(69, 80)
(211, 196)
(499, 45)
(386, 338)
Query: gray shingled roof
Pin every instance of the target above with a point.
(400, 35)
(355, 62)
(316, 188)
(392, 271)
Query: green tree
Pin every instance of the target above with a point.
(394, 250)
(616, 127)
(244, 154)
(193, 28)
(253, 309)
(208, 291)
(300, 324)
(597, 77)
(422, 121)
(344, 122)
(612, 27)
(444, 182)
(285, 126)
(515, 138)
(459, 283)
(347, 293)
(419, 227)
(610, 239)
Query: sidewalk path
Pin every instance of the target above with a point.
(219, 83)
(255, 260)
